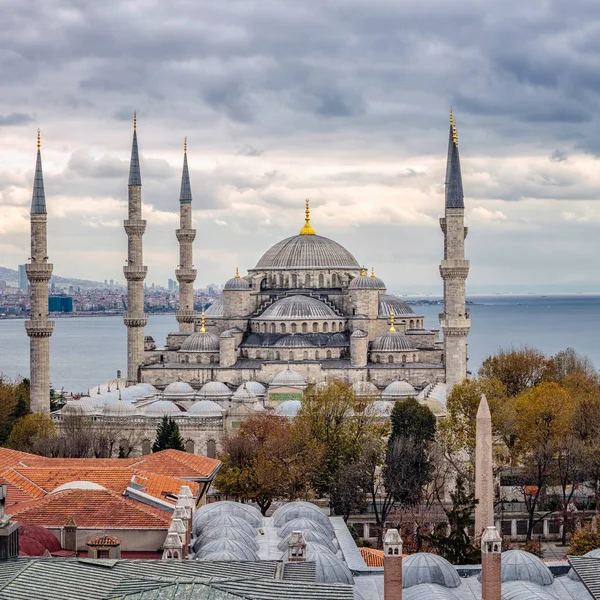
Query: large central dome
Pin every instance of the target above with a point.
(307, 251)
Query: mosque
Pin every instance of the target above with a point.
(306, 313)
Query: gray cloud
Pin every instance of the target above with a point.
(15, 118)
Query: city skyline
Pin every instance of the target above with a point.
(351, 115)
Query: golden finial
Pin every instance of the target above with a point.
(372, 271)
(454, 132)
(307, 229)
(237, 273)
(134, 121)
(451, 116)
(392, 328)
(39, 139)
(202, 322)
(363, 271)
(185, 145)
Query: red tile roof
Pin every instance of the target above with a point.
(8, 457)
(178, 464)
(162, 486)
(373, 557)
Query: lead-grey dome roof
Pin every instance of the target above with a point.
(518, 565)
(229, 532)
(304, 524)
(297, 307)
(310, 536)
(398, 389)
(214, 389)
(392, 341)
(364, 388)
(298, 509)
(365, 282)
(226, 520)
(288, 377)
(178, 388)
(243, 394)
(239, 549)
(83, 408)
(236, 283)
(329, 568)
(387, 303)
(423, 567)
(215, 309)
(257, 388)
(226, 507)
(201, 341)
(205, 408)
(162, 408)
(429, 591)
(525, 590)
(307, 252)
(294, 340)
(120, 408)
(288, 408)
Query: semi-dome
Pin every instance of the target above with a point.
(423, 567)
(205, 408)
(214, 389)
(258, 389)
(392, 341)
(294, 340)
(224, 545)
(119, 409)
(359, 333)
(365, 282)
(288, 408)
(310, 536)
(80, 408)
(364, 388)
(429, 591)
(201, 341)
(518, 565)
(243, 394)
(288, 377)
(306, 252)
(398, 389)
(162, 408)
(215, 309)
(389, 303)
(297, 307)
(304, 524)
(237, 283)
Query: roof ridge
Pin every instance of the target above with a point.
(141, 507)
(39, 487)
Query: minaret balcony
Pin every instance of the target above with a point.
(38, 271)
(185, 235)
(134, 226)
(185, 316)
(39, 328)
(454, 269)
(135, 319)
(135, 273)
(185, 275)
(455, 325)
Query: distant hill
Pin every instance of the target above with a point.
(12, 276)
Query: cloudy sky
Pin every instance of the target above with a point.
(341, 101)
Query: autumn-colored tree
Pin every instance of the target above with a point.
(543, 418)
(10, 392)
(517, 370)
(30, 431)
(585, 538)
(568, 363)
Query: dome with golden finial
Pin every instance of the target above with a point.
(364, 282)
(237, 283)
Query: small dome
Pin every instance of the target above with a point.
(288, 408)
(337, 339)
(258, 389)
(298, 509)
(162, 408)
(148, 388)
(310, 535)
(214, 389)
(304, 524)
(178, 388)
(423, 567)
(234, 546)
(388, 303)
(294, 340)
(329, 568)
(429, 591)
(525, 590)
(359, 333)
(201, 341)
(225, 520)
(205, 408)
(518, 565)
(392, 341)
(120, 408)
(226, 335)
(398, 389)
(215, 309)
(243, 394)
(221, 556)
(237, 283)
(380, 408)
(297, 307)
(227, 533)
(435, 406)
(79, 408)
(366, 282)
(77, 485)
(364, 388)
(288, 378)
(226, 507)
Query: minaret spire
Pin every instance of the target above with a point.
(185, 273)
(135, 272)
(39, 328)
(454, 269)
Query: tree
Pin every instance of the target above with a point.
(29, 431)
(168, 436)
(517, 370)
(455, 545)
(20, 409)
(585, 539)
(10, 391)
(569, 362)
(409, 418)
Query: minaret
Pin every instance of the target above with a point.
(39, 327)
(454, 269)
(135, 271)
(186, 274)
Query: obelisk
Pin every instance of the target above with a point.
(484, 478)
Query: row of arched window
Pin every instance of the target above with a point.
(314, 327)
(381, 358)
(199, 358)
(296, 280)
(259, 354)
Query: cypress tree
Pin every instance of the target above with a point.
(20, 409)
(168, 436)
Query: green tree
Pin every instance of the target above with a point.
(31, 430)
(10, 391)
(20, 409)
(409, 418)
(168, 436)
(456, 545)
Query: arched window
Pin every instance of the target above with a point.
(211, 360)
(277, 355)
(294, 328)
(258, 354)
(321, 280)
(412, 324)
(390, 359)
(146, 447)
(414, 358)
(291, 355)
(190, 446)
(307, 280)
(315, 327)
(334, 280)
(270, 355)
(329, 354)
(282, 328)
(211, 449)
(294, 280)
(378, 359)
(304, 327)
(341, 326)
(305, 355)
(281, 280)
(325, 327)
(264, 328)
(273, 327)
(334, 327)
(404, 358)
(316, 355)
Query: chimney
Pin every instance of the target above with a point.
(178, 527)
(392, 565)
(9, 530)
(297, 547)
(172, 548)
(491, 564)
(182, 514)
(70, 535)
